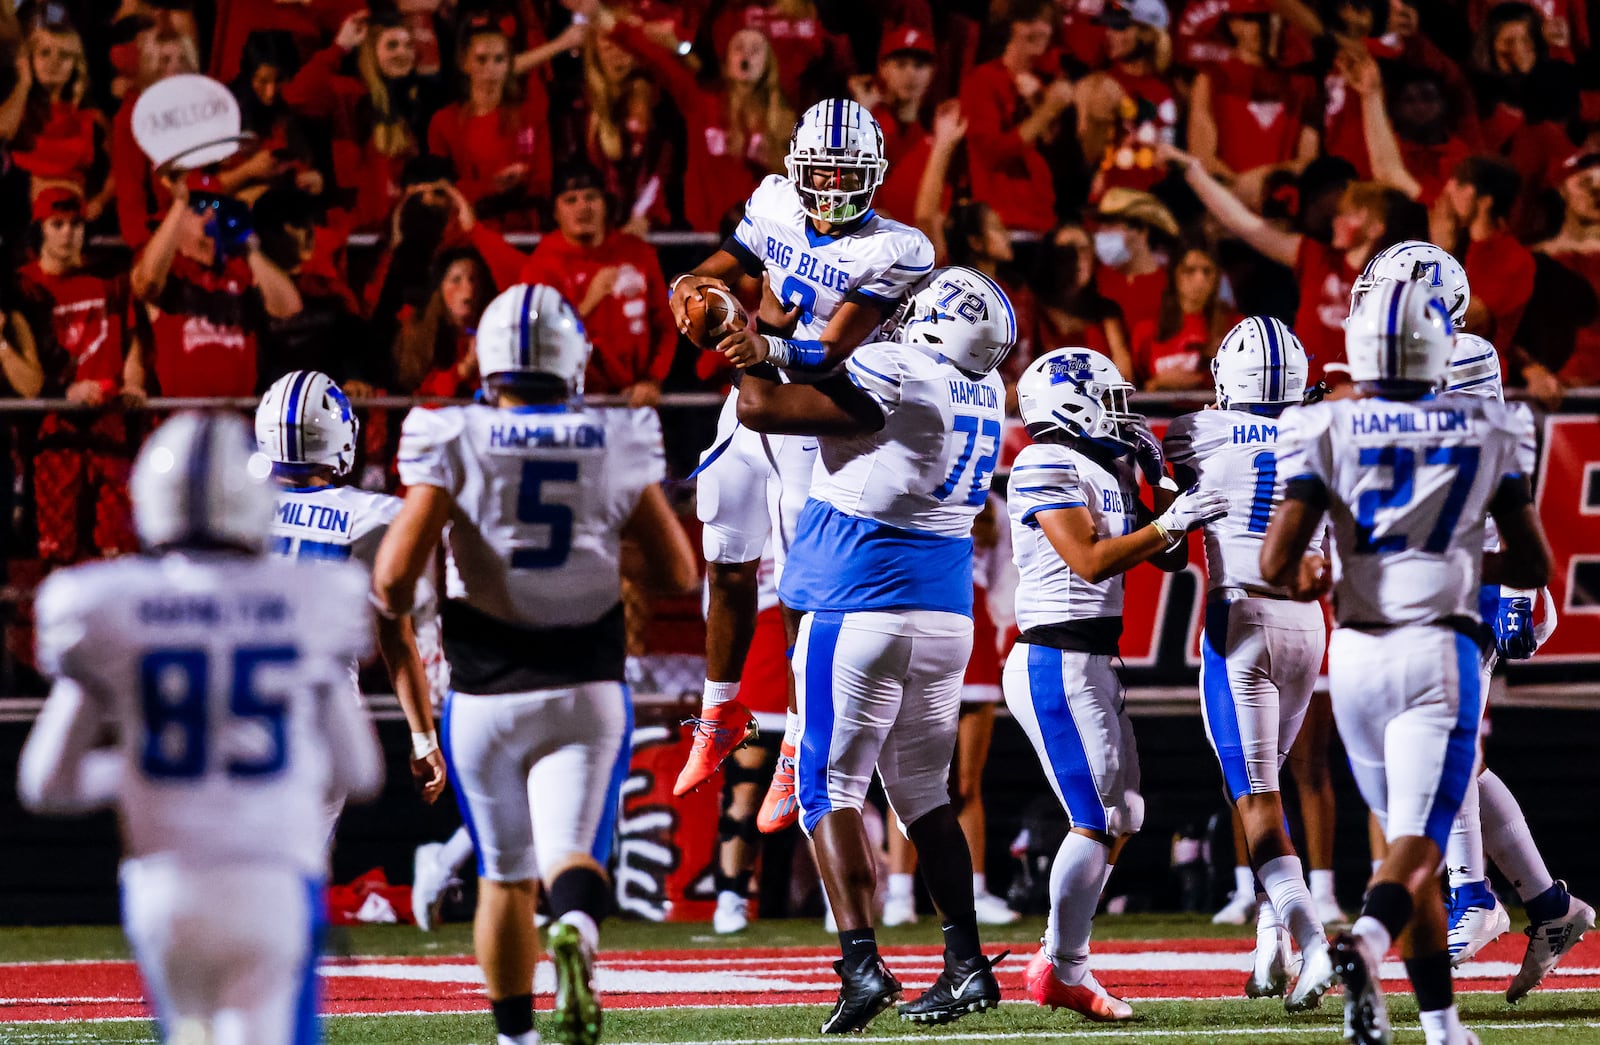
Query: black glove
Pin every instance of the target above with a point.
(1147, 453)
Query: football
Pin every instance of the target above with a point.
(713, 317)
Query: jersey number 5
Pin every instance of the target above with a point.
(969, 425)
(535, 512)
(174, 689)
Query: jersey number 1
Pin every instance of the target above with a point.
(174, 690)
(968, 425)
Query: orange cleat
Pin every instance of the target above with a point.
(1088, 998)
(781, 807)
(717, 732)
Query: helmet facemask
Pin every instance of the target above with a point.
(835, 189)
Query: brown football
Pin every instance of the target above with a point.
(714, 317)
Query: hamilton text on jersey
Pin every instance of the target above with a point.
(1420, 421)
(313, 516)
(505, 437)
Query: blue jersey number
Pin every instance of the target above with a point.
(535, 512)
(1402, 462)
(972, 426)
(300, 548)
(970, 308)
(796, 291)
(173, 686)
(1266, 466)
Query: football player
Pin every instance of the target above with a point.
(1077, 526)
(223, 676)
(538, 494)
(881, 568)
(1260, 651)
(306, 428)
(1407, 480)
(839, 269)
(1491, 819)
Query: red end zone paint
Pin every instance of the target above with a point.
(1135, 969)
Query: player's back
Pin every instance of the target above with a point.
(1409, 485)
(1050, 476)
(541, 496)
(1234, 452)
(330, 522)
(215, 668)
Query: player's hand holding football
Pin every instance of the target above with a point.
(689, 285)
(428, 774)
(744, 348)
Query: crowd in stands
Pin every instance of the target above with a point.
(1173, 164)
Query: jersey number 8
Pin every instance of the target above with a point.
(175, 688)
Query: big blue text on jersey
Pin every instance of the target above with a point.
(808, 267)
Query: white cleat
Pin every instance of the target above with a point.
(429, 880)
(1328, 912)
(1474, 929)
(1316, 977)
(1547, 942)
(732, 914)
(899, 910)
(1270, 977)
(1241, 908)
(991, 910)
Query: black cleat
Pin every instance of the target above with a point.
(1366, 1016)
(866, 990)
(963, 987)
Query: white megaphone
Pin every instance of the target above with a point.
(186, 122)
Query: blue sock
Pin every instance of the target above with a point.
(1548, 905)
(1473, 894)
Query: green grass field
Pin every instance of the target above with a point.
(1566, 1016)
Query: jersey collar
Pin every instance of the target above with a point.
(538, 408)
(817, 239)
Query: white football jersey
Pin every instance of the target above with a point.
(879, 259)
(541, 496)
(1047, 476)
(1409, 486)
(218, 672)
(330, 522)
(1527, 458)
(1235, 453)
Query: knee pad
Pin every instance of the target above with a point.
(729, 829)
(735, 775)
(1127, 816)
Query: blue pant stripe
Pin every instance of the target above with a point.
(605, 833)
(455, 782)
(1065, 758)
(811, 775)
(307, 1028)
(1461, 751)
(1221, 715)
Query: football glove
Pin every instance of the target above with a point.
(1513, 627)
(1193, 509)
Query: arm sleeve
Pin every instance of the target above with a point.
(60, 625)
(1304, 451)
(312, 91)
(1044, 483)
(1178, 443)
(429, 448)
(642, 457)
(347, 631)
(876, 370)
(506, 263)
(905, 270)
(131, 170)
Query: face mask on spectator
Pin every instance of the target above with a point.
(1111, 247)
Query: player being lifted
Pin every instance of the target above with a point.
(1407, 480)
(881, 567)
(1260, 651)
(1491, 819)
(839, 269)
(224, 676)
(1077, 526)
(306, 428)
(537, 493)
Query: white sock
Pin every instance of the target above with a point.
(1463, 853)
(1282, 880)
(900, 886)
(585, 926)
(717, 694)
(1076, 879)
(1508, 841)
(1105, 879)
(1441, 1026)
(1372, 931)
(1375, 865)
(792, 729)
(1267, 928)
(980, 883)
(457, 850)
(1322, 883)
(530, 1038)
(1244, 882)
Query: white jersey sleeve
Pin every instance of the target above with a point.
(1527, 461)
(1235, 453)
(1049, 477)
(876, 261)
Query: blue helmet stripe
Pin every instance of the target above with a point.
(836, 125)
(1274, 361)
(291, 417)
(199, 473)
(525, 329)
(1392, 330)
(1011, 315)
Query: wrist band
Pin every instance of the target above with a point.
(383, 607)
(679, 278)
(1166, 534)
(424, 744)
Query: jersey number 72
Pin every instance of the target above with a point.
(970, 426)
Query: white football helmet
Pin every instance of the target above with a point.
(1079, 392)
(199, 482)
(1259, 363)
(1399, 333)
(961, 314)
(839, 141)
(1474, 369)
(1419, 260)
(306, 419)
(532, 331)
